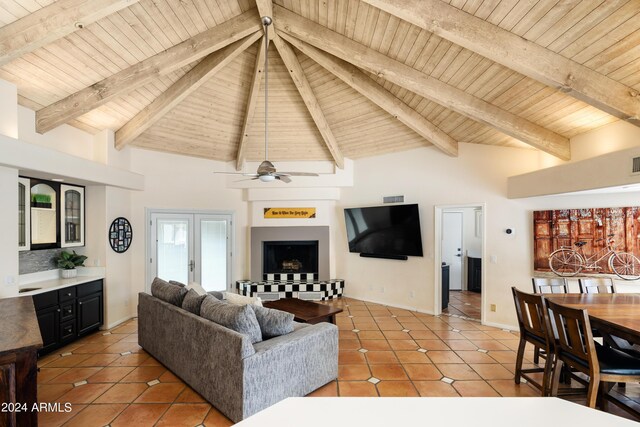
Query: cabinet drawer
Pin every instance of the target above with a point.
(45, 300)
(67, 330)
(67, 294)
(89, 288)
(67, 311)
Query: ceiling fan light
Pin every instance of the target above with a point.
(267, 178)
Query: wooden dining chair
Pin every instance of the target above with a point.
(550, 285)
(576, 348)
(530, 312)
(597, 285)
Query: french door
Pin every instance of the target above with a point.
(191, 247)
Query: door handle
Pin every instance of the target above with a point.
(458, 255)
(192, 265)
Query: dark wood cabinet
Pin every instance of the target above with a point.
(68, 313)
(445, 286)
(474, 274)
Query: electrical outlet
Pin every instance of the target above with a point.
(382, 290)
(9, 280)
(493, 259)
(412, 294)
(492, 307)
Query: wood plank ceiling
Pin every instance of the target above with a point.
(377, 83)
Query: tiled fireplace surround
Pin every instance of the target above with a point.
(309, 285)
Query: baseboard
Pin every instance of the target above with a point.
(501, 326)
(116, 323)
(404, 307)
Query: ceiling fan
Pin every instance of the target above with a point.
(267, 171)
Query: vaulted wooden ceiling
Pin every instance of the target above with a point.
(347, 78)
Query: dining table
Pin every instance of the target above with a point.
(613, 314)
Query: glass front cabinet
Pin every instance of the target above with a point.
(71, 216)
(24, 214)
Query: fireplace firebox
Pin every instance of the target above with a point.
(292, 256)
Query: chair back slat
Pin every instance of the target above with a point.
(573, 333)
(597, 285)
(530, 313)
(550, 285)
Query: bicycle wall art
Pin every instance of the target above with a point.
(570, 242)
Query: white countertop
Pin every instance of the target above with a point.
(431, 411)
(53, 284)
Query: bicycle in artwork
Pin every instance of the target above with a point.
(569, 262)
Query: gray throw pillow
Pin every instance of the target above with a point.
(273, 323)
(167, 292)
(217, 294)
(236, 317)
(192, 302)
(173, 282)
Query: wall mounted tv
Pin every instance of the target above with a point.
(384, 231)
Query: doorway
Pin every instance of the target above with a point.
(459, 249)
(190, 246)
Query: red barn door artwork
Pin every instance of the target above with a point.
(563, 228)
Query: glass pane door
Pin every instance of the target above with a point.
(212, 250)
(173, 247)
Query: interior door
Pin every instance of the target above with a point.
(452, 247)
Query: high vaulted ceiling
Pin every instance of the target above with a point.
(347, 78)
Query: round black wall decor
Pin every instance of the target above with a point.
(120, 234)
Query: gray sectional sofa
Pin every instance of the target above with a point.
(235, 376)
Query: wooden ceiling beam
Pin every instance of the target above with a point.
(422, 84)
(252, 101)
(143, 72)
(519, 54)
(377, 94)
(51, 23)
(265, 8)
(181, 89)
(297, 75)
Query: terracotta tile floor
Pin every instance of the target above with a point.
(384, 351)
(464, 303)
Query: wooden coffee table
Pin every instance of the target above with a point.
(305, 311)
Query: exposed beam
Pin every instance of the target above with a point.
(265, 8)
(252, 100)
(178, 91)
(137, 75)
(297, 75)
(51, 23)
(519, 54)
(420, 83)
(377, 94)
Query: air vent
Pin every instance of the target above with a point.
(635, 168)
(396, 199)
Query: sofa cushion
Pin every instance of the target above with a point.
(165, 291)
(241, 299)
(192, 302)
(273, 323)
(175, 282)
(198, 288)
(219, 295)
(239, 318)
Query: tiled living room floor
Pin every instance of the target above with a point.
(464, 303)
(110, 380)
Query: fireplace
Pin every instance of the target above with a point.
(290, 256)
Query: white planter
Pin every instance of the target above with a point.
(68, 274)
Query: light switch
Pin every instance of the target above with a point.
(493, 259)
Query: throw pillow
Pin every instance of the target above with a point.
(192, 302)
(174, 282)
(239, 318)
(217, 294)
(167, 292)
(273, 323)
(241, 299)
(198, 288)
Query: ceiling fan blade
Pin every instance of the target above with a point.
(247, 179)
(236, 173)
(283, 178)
(298, 173)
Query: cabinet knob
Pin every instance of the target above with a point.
(68, 294)
(80, 303)
(58, 310)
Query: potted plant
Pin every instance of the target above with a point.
(68, 262)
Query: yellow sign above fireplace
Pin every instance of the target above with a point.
(289, 212)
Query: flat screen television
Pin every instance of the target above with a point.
(385, 231)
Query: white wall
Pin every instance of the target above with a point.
(9, 221)
(429, 178)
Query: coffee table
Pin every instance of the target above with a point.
(305, 311)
